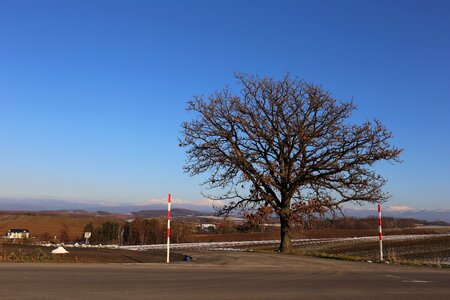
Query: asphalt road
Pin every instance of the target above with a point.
(225, 275)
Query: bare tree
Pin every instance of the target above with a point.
(64, 233)
(285, 144)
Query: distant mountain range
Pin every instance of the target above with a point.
(403, 212)
(176, 212)
(156, 210)
(121, 208)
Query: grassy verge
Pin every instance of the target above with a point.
(37, 255)
(392, 258)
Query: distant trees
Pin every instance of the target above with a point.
(367, 223)
(254, 221)
(107, 233)
(64, 234)
(138, 232)
(287, 145)
(226, 226)
(180, 231)
(88, 228)
(144, 231)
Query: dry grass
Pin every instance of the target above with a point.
(432, 250)
(39, 254)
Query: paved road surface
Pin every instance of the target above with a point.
(225, 275)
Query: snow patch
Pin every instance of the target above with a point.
(400, 208)
(60, 250)
(194, 203)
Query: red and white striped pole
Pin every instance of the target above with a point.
(380, 232)
(168, 229)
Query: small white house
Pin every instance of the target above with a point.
(208, 226)
(18, 233)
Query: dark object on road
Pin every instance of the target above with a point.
(187, 258)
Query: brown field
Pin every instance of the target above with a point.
(51, 223)
(433, 250)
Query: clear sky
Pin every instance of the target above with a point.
(92, 93)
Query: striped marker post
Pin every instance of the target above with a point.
(380, 232)
(168, 229)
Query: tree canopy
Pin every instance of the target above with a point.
(284, 144)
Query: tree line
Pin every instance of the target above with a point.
(137, 232)
(261, 222)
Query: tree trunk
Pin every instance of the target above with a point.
(285, 233)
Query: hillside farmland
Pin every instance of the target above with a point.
(52, 223)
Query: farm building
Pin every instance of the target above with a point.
(206, 227)
(18, 233)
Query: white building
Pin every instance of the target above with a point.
(208, 226)
(18, 234)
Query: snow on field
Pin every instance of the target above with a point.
(60, 250)
(225, 245)
(230, 245)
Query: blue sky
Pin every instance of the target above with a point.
(92, 93)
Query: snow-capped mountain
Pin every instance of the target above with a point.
(402, 212)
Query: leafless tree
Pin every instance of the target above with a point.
(286, 144)
(64, 233)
